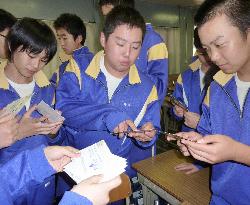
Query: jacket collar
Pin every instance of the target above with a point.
(93, 69)
(194, 66)
(40, 79)
(222, 78)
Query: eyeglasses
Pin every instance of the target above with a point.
(3, 35)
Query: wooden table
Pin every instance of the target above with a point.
(159, 178)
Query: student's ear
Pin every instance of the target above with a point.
(102, 39)
(79, 39)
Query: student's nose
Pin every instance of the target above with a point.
(36, 63)
(127, 50)
(61, 42)
(214, 56)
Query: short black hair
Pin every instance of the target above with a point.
(123, 16)
(73, 24)
(237, 11)
(34, 36)
(197, 42)
(125, 3)
(7, 20)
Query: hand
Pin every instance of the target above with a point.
(191, 119)
(29, 126)
(186, 136)
(57, 128)
(59, 156)
(178, 111)
(8, 129)
(187, 168)
(95, 191)
(123, 127)
(213, 148)
(144, 136)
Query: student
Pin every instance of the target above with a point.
(110, 96)
(223, 27)
(32, 45)
(71, 33)
(152, 61)
(189, 88)
(7, 20)
(153, 57)
(33, 166)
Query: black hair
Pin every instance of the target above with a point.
(7, 20)
(125, 3)
(123, 16)
(197, 41)
(237, 11)
(73, 24)
(33, 36)
(208, 78)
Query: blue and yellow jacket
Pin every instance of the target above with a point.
(43, 91)
(25, 170)
(153, 60)
(221, 114)
(82, 96)
(188, 90)
(82, 52)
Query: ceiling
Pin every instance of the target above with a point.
(177, 2)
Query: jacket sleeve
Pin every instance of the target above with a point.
(81, 112)
(178, 94)
(26, 169)
(71, 198)
(158, 68)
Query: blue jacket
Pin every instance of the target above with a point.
(221, 115)
(189, 82)
(81, 52)
(83, 98)
(153, 60)
(42, 91)
(25, 170)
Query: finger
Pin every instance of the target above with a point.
(207, 148)
(200, 156)
(6, 117)
(209, 139)
(191, 171)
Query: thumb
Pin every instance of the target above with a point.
(71, 152)
(131, 125)
(111, 184)
(96, 179)
(29, 112)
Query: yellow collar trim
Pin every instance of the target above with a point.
(195, 65)
(93, 69)
(40, 79)
(222, 78)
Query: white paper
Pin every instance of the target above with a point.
(95, 159)
(45, 110)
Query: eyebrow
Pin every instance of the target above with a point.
(121, 39)
(212, 42)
